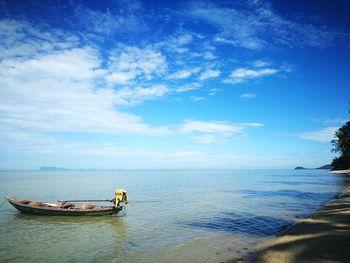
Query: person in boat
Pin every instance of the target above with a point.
(121, 196)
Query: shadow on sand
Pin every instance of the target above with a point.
(325, 237)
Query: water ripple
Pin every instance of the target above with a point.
(243, 224)
(303, 195)
(297, 183)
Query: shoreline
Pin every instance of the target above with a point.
(322, 237)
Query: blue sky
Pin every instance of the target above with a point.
(178, 84)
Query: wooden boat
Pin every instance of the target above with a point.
(62, 209)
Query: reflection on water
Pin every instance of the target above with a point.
(64, 238)
(200, 216)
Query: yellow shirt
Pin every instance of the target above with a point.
(119, 196)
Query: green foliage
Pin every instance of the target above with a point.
(342, 145)
(341, 163)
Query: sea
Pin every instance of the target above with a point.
(173, 215)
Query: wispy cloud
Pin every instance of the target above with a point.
(184, 74)
(63, 90)
(256, 25)
(73, 64)
(214, 91)
(134, 96)
(208, 127)
(242, 74)
(214, 132)
(124, 16)
(330, 121)
(247, 96)
(69, 82)
(187, 87)
(197, 98)
(115, 155)
(221, 40)
(177, 44)
(260, 64)
(322, 135)
(127, 63)
(208, 74)
(20, 39)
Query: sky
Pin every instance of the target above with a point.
(130, 84)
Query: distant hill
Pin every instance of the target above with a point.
(52, 168)
(325, 167)
(299, 168)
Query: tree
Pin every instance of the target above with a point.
(342, 145)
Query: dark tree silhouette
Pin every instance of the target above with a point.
(342, 145)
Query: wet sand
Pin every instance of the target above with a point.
(324, 237)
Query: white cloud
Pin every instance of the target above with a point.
(178, 44)
(329, 121)
(211, 73)
(247, 96)
(188, 87)
(322, 135)
(209, 55)
(74, 64)
(197, 98)
(251, 124)
(208, 127)
(214, 132)
(222, 40)
(256, 25)
(260, 64)
(242, 74)
(123, 17)
(62, 90)
(22, 40)
(214, 91)
(235, 26)
(71, 106)
(208, 139)
(127, 63)
(184, 74)
(133, 96)
(183, 40)
(120, 77)
(37, 151)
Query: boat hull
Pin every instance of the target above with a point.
(56, 211)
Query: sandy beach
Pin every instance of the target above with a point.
(324, 237)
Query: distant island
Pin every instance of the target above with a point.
(324, 167)
(300, 168)
(52, 168)
(327, 166)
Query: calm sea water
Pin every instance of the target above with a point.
(173, 216)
